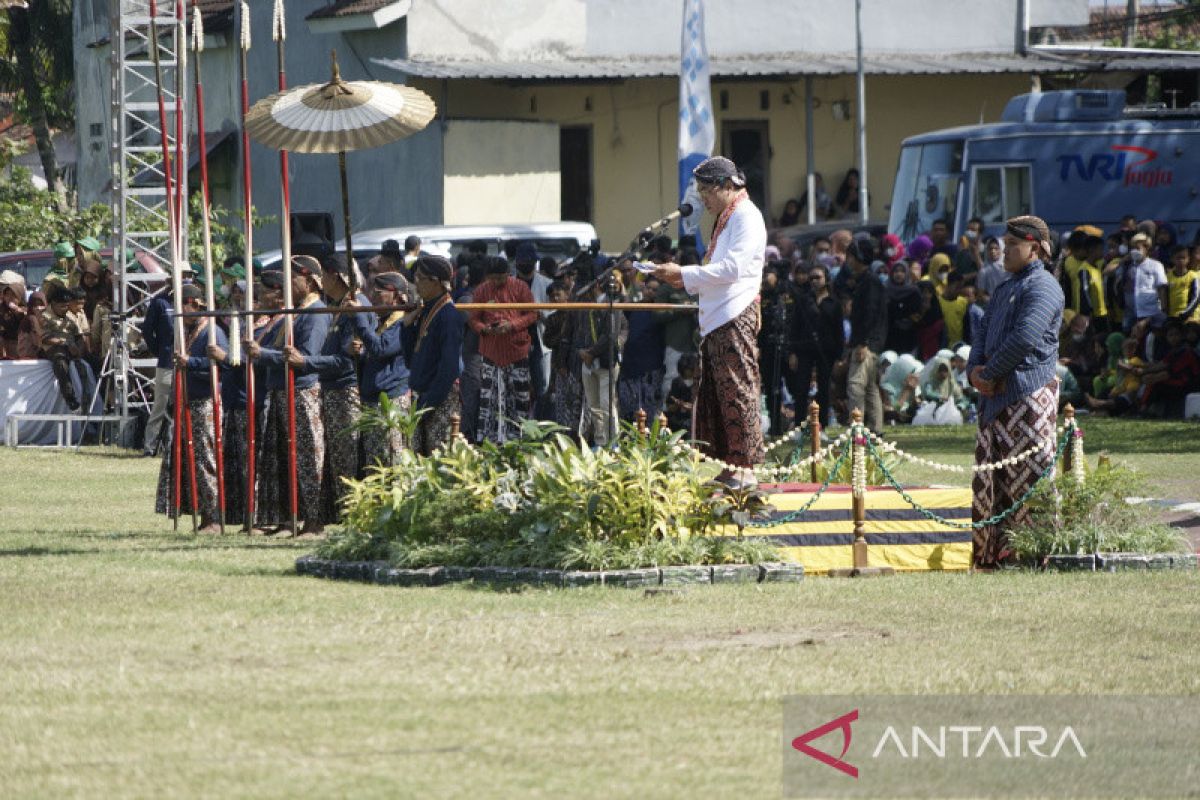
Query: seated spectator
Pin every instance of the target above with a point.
(846, 201)
(901, 388)
(29, 334)
(682, 394)
(12, 311)
(65, 344)
(1163, 384)
(824, 203)
(790, 214)
(1068, 387)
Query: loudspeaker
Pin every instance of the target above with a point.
(312, 234)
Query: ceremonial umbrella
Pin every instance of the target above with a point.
(337, 117)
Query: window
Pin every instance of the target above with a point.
(926, 188)
(1001, 191)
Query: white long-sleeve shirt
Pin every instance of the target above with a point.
(728, 284)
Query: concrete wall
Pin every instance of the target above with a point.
(532, 29)
(501, 172)
(634, 125)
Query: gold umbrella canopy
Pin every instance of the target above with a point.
(339, 116)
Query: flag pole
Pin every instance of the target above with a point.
(248, 265)
(697, 135)
(279, 34)
(209, 295)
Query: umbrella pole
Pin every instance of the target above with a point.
(191, 452)
(248, 265)
(278, 33)
(206, 208)
(346, 223)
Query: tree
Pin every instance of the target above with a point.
(39, 68)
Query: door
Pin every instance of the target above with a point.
(575, 171)
(746, 142)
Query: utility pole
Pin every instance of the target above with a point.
(862, 117)
(1131, 14)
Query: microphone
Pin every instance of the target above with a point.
(684, 210)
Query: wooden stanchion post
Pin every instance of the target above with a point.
(662, 420)
(1068, 422)
(455, 426)
(858, 508)
(641, 422)
(814, 436)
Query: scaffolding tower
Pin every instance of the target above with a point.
(140, 204)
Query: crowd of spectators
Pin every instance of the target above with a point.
(848, 321)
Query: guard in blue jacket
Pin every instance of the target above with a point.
(308, 337)
(384, 369)
(336, 369)
(200, 416)
(158, 332)
(432, 339)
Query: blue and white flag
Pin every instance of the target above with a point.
(696, 132)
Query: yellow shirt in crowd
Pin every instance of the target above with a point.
(1179, 293)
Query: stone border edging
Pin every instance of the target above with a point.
(1113, 562)
(383, 573)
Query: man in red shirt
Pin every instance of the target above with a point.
(504, 342)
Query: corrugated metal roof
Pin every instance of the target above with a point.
(347, 8)
(778, 65)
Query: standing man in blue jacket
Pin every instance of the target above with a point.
(341, 403)
(1012, 364)
(432, 340)
(158, 331)
(308, 337)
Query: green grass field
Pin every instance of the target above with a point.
(142, 662)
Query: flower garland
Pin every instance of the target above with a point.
(858, 462)
(889, 447)
(1078, 469)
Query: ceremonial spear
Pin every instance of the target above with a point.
(279, 34)
(209, 295)
(247, 264)
(173, 227)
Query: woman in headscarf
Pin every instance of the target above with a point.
(901, 388)
(1103, 383)
(904, 309)
(937, 380)
(893, 249)
(726, 413)
(939, 271)
(919, 250)
(790, 215)
(930, 327)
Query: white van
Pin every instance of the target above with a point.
(561, 240)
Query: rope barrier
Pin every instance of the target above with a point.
(794, 515)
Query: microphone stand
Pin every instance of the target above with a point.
(606, 279)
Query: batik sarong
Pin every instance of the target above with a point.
(233, 442)
(567, 399)
(726, 415)
(383, 445)
(504, 401)
(433, 429)
(340, 410)
(206, 468)
(273, 503)
(1020, 426)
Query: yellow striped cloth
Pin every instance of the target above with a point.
(896, 533)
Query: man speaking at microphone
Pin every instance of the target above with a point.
(726, 412)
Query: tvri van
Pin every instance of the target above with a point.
(1070, 157)
(561, 240)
